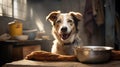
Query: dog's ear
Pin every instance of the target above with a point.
(52, 17)
(76, 15)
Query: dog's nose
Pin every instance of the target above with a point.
(64, 29)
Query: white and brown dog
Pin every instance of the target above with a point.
(65, 31)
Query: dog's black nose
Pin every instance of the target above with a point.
(64, 29)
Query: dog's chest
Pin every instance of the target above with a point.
(69, 48)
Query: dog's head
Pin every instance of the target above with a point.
(65, 24)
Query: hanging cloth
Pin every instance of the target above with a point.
(98, 11)
(89, 21)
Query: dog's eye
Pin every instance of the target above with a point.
(70, 21)
(59, 21)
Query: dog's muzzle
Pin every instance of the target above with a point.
(64, 29)
(64, 34)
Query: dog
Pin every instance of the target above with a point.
(65, 31)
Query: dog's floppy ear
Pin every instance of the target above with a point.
(76, 15)
(52, 17)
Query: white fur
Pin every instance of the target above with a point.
(65, 24)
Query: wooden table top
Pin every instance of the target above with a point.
(30, 63)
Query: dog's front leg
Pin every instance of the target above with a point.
(57, 49)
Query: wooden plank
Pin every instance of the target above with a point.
(29, 63)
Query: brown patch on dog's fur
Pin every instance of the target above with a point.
(52, 17)
(76, 14)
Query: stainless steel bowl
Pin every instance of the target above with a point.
(93, 54)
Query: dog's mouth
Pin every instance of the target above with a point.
(65, 36)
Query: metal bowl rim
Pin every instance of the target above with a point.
(95, 47)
